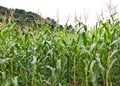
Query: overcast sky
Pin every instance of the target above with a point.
(62, 9)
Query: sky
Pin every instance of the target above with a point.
(64, 10)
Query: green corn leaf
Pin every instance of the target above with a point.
(15, 81)
(93, 75)
(4, 60)
(116, 41)
(7, 83)
(34, 60)
(58, 64)
(92, 47)
(84, 39)
(106, 28)
(114, 52)
(3, 74)
(99, 62)
(52, 69)
(112, 63)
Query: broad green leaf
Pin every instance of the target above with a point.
(15, 81)
(84, 38)
(112, 63)
(52, 69)
(93, 75)
(58, 64)
(116, 41)
(92, 47)
(99, 62)
(34, 60)
(113, 52)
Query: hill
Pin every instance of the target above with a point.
(23, 18)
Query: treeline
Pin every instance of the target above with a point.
(23, 18)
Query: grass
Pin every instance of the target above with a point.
(41, 57)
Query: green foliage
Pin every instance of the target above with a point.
(23, 18)
(3, 10)
(42, 57)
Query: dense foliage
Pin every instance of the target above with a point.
(42, 57)
(23, 18)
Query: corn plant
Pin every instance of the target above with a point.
(43, 57)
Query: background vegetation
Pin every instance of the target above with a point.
(23, 18)
(39, 56)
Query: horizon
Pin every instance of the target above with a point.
(62, 10)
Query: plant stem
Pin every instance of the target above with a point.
(86, 77)
(107, 74)
(74, 72)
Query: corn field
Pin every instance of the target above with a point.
(41, 57)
